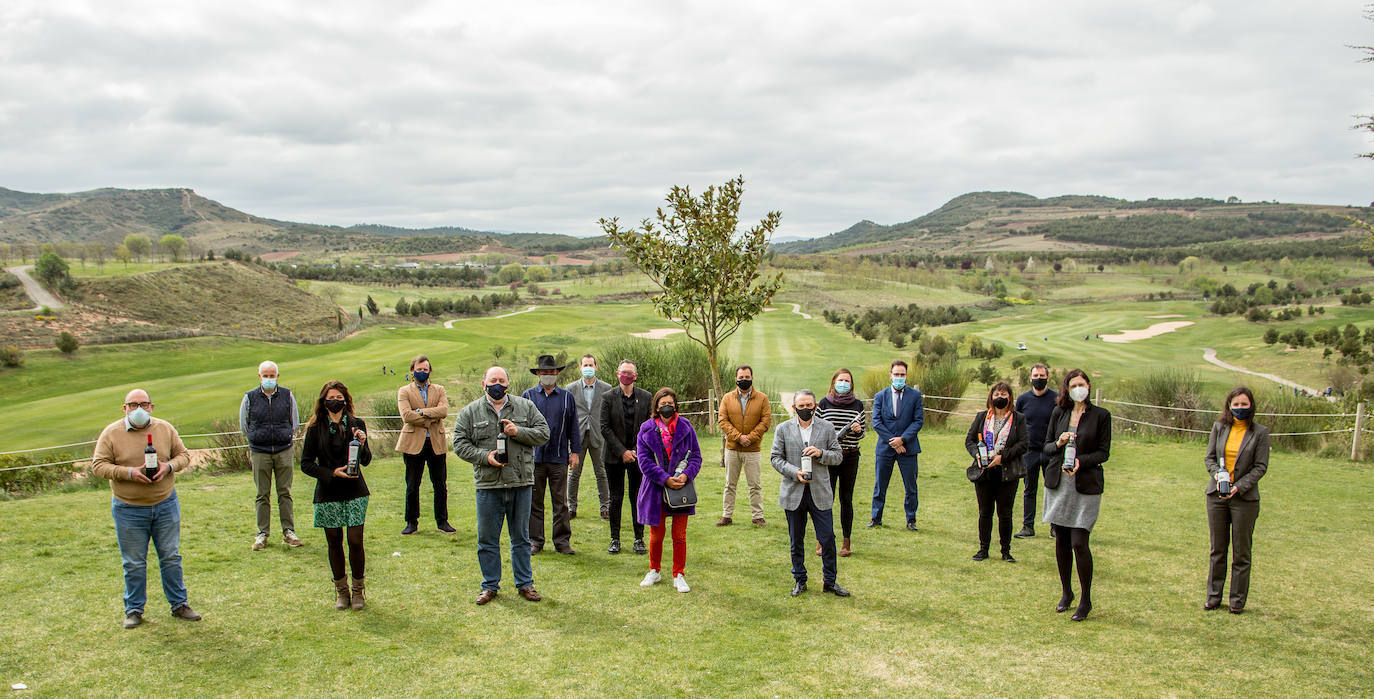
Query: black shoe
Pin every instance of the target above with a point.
(614, 547)
(835, 589)
(911, 526)
(1026, 532)
(1064, 603)
(799, 588)
(639, 547)
(1209, 606)
(982, 555)
(410, 529)
(1006, 556)
(1234, 610)
(1082, 612)
(566, 551)
(873, 523)
(572, 514)
(445, 528)
(536, 549)
(133, 620)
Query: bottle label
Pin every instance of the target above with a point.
(150, 461)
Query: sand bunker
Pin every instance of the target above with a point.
(658, 333)
(1147, 333)
(1174, 315)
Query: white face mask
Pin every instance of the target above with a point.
(1078, 393)
(546, 380)
(139, 417)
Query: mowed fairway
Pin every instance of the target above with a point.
(924, 618)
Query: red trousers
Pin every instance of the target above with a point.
(656, 533)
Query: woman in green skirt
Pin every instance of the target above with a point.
(340, 499)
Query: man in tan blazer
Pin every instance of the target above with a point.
(744, 416)
(423, 407)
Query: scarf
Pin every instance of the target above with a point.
(666, 430)
(839, 401)
(996, 442)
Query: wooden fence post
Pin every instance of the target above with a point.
(1359, 425)
(1097, 398)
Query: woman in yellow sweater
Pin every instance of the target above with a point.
(1237, 457)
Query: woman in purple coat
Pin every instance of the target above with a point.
(669, 456)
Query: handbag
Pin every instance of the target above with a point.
(682, 498)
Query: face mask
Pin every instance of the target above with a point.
(841, 388)
(626, 379)
(1039, 384)
(588, 372)
(805, 413)
(667, 411)
(1000, 402)
(1078, 393)
(545, 380)
(421, 376)
(269, 384)
(335, 406)
(745, 384)
(899, 382)
(1242, 413)
(138, 417)
(496, 391)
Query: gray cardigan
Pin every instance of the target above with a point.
(1252, 461)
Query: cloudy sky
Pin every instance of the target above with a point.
(548, 116)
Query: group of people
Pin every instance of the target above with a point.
(521, 447)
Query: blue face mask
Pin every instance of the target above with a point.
(138, 417)
(269, 384)
(420, 376)
(588, 372)
(899, 382)
(841, 387)
(496, 391)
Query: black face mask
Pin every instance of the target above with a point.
(805, 413)
(667, 411)
(335, 406)
(745, 384)
(1000, 402)
(496, 391)
(1039, 384)
(1242, 413)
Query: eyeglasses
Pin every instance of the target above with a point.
(145, 405)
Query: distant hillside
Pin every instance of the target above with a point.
(107, 215)
(990, 221)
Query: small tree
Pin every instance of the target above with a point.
(706, 270)
(11, 356)
(52, 269)
(402, 308)
(372, 306)
(174, 245)
(67, 343)
(987, 374)
(122, 253)
(138, 245)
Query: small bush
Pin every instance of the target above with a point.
(67, 342)
(37, 480)
(942, 378)
(679, 365)
(232, 454)
(11, 356)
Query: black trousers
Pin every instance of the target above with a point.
(438, 478)
(617, 472)
(1230, 523)
(994, 493)
(551, 476)
(825, 533)
(842, 479)
(1029, 499)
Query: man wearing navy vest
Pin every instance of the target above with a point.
(268, 421)
(898, 413)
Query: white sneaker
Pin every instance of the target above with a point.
(680, 582)
(650, 579)
(260, 542)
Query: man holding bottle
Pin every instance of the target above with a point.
(804, 449)
(268, 420)
(497, 434)
(140, 455)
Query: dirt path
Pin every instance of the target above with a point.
(449, 323)
(1210, 356)
(796, 308)
(35, 290)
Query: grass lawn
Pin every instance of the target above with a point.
(924, 618)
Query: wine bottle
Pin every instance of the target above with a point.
(805, 469)
(983, 456)
(150, 459)
(354, 446)
(1223, 478)
(502, 456)
(1070, 453)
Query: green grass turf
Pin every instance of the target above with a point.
(924, 618)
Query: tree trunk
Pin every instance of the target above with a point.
(715, 368)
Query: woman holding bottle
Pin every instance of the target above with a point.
(1237, 458)
(669, 457)
(333, 451)
(846, 413)
(996, 440)
(1082, 442)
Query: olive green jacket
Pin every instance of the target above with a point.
(474, 436)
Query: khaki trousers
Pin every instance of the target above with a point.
(749, 462)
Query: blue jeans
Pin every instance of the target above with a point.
(134, 526)
(883, 476)
(512, 506)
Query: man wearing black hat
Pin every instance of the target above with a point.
(553, 460)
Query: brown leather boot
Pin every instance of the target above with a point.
(358, 600)
(343, 600)
(844, 548)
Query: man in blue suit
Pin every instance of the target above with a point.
(898, 413)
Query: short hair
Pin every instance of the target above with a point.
(999, 386)
(662, 393)
(1226, 417)
(1041, 365)
(744, 367)
(803, 392)
(898, 363)
(588, 355)
(267, 363)
(1064, 401)
(420, 358)
(623, 362)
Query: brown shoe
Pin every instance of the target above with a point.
(290, 539)
(486, 596)
(343, 600)
(844, 548)
(725, 522)
(758, 522)
(818, 548)
(529, 594)
(357, 601)
(185, 612)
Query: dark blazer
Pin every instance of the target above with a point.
(1251, 462)
(1094, 446)
(323, 451)
(907, 425)
(1012, 465)
(614, 420)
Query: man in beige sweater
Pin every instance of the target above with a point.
(144, 508)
